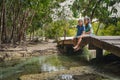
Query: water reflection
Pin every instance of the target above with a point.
(15, 69)
(46, 67)
(42, 64)
(65, 77)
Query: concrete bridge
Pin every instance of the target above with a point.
(99, 43)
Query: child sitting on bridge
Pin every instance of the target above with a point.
(80, 30)
(88, 32)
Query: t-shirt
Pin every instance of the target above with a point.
(89, 28)
(80, 30)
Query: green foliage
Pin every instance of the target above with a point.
(95, 8)
(43, 11)
(20, 16)
(71, 32)
(56, 29)
(34, 17)
(109, 30)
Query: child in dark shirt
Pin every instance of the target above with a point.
(80, 31)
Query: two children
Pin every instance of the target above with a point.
(82, 31)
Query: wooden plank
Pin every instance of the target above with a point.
(113, 42)
(65, 42)
(110, 43)
(67, 38)
(91, 47)
(104, 45)
(117, 45)
(107, 37)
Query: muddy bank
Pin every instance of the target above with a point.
(29, 50)
(75, 73)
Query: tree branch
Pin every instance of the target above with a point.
(94, 8)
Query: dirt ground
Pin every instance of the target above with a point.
(10, 52)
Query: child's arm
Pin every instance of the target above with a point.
(89, 32)
(90, 29)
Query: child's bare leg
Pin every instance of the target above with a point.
(74, 41)
(78, 43)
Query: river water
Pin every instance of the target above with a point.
(66, 68)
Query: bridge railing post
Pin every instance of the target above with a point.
(99, 53)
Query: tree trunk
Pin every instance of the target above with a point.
(3, 34)
(94, 8)
(0, 22)
(98, 28)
